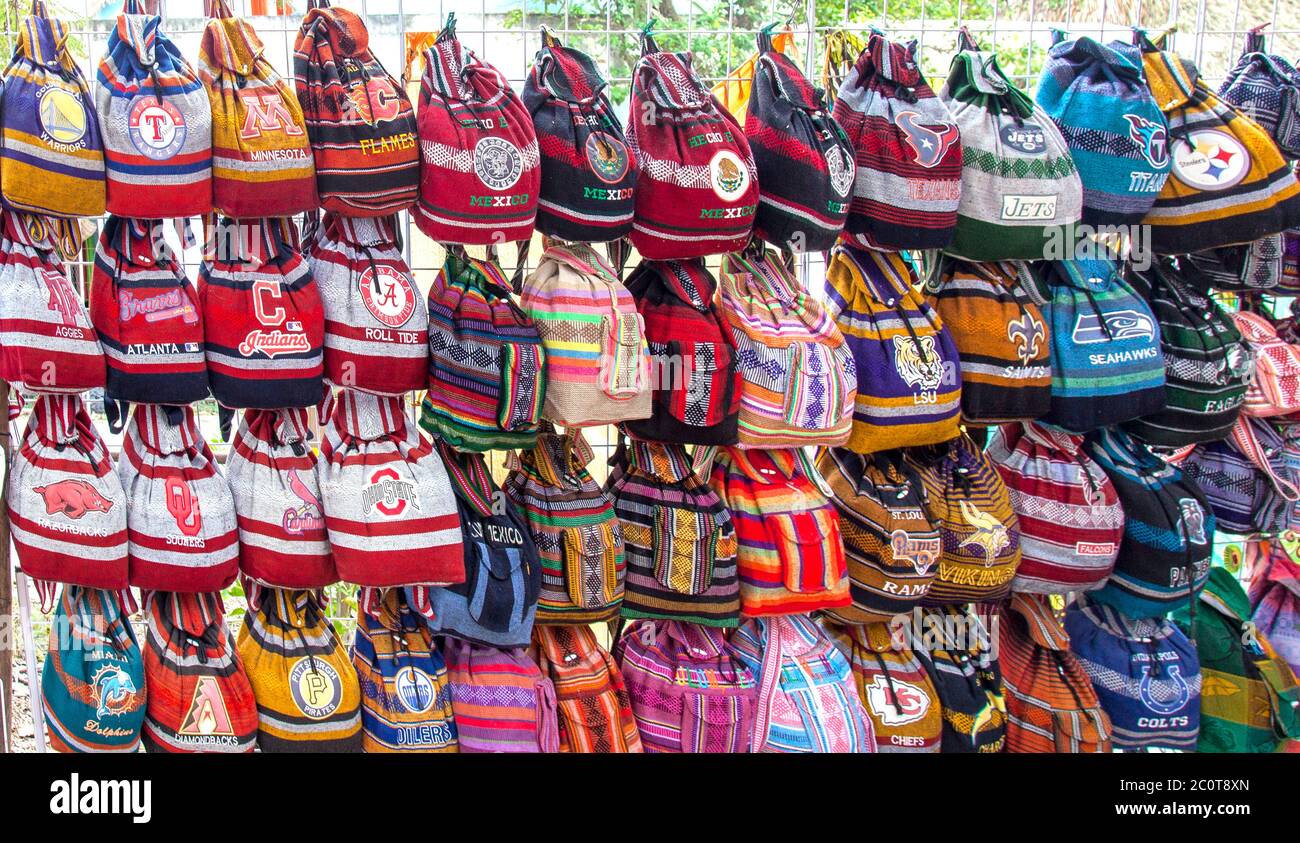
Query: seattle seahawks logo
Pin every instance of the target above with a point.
(1152, 140)
(1119, 325)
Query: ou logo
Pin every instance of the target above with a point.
(184, 507)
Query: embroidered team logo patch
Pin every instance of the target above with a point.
(607, 157)
(63, 116)
(1193, 520)
(388, 494)
(315, 687)
(114, 691)
(414, 689)
(156, 127)
(1027, 138)
(991, 536)
(918, 363)
(728, 175)
(929, 144)
(1026, 333)
(894, 702)
(1152, 140)
(73, 498)
(373, 103)
(306, 517)
(498, 162)
(388, 294)
(208, 715)
(840, 166)
(922, 553)
(1210, 160)
(1119, 325)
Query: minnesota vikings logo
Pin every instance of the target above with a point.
(114, 689)
(1026, 332)
(990, 535)
(929, 143)
(1151, 138)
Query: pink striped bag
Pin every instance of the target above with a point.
(272, 474)
(1275, 389)
(376, 321)
(181, 518)
(389, 506)
(501, 700)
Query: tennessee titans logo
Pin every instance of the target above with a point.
(1151, 138)
(929, 143)
(114, 690)
(1120, 325)
(1181, 693)
(1026, 332)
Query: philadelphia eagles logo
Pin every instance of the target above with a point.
(918, 363)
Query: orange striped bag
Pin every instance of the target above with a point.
(593, 703)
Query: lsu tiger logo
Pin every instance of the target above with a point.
(918, 362)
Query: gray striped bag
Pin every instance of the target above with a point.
(272, 474)
(181, 529)
(389, 506)
(376, 321)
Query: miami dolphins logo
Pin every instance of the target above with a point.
(1182, 694)
(1026, 332)
(990, 535)
(114, 690)
(929, 143)
(1151, 138)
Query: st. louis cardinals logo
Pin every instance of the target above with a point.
(1026, 332)
(929, 143)
(183, 506)
(1152, 140)
(265, 112)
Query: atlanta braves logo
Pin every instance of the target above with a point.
(1152, 140)
(266, 112)
(114, 690)
(1170, 704)
(929, 143)
(1026, 332)
(183, 507)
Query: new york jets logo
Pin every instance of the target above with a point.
(387, 294)
(156, 127)
(498, 162)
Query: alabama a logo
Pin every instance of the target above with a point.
(895, 702)
(728, 175)
(1193, 520)
(388, 294)
(156, 127)
(1152, 140)
(498, 162)
(62, 115)
(607, 157)
(315, 687)
(114, 691)
(388, 494)
(918, 362)
(1210, 159)
(208, 715)
(1026, 333)
(929, 143)
(990, 535)
(415, 689)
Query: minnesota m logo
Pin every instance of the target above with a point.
(266, 113)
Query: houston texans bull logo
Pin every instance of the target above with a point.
(73, 498)
(1152, 139)
(929, 143)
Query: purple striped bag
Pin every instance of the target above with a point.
(688, 693)
(501, 700)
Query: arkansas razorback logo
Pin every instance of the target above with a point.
(929, 143)
(73, 498)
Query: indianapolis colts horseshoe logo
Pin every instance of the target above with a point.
(1182, 692)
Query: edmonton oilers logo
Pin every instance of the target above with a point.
(63, 117)
(1181, 694)
(414, 689)
(156, 127)
(607, 157)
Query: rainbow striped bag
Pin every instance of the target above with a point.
(591, 698)
(156, 121)
(501, 700)
(52, 155)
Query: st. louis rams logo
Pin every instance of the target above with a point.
(1152, 140)
(1026, 333)
(929, 143)
(315, 687)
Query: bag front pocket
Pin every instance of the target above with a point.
(519, 405)
(621, 373)
(700, 383)
(590, 565)
(804, 542)
(814, 396)
(685, 545)
(716, 723)
(497, 599)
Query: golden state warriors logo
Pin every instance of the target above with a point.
(498, 162)
(387, 294)
(1210, 160)
(63, 116)
(607, 157)
(415, 690)
(728, 175)
(315, 687)
(156, 127)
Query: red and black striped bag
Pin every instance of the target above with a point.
(264, 325)
(360, 122)
(272, 474)
(147, 314)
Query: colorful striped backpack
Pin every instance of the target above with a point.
(1244, 267)
(272, 468)
(261, 155)
(1275, 601)
(679, 537)
(1207, 362)
(1116, 133)
(588, 172)
(146, 312)
(1107, 367)
(263, 322)
(92, 682)
(1146, 674)
(895, 689)
(501, 700)
(405, 692)
(958, 650)
(1169, 526)
(802, 156)
(909, 151)
(1228, 180)
(1001, 337)
(807, 697)
(200, 699)
(891, 545)
(797, 376)
(689, 693)
(694, 371)
(597, 361)
(1246, 478)
(481, 168)
(1020, 188)
(909, 386)
(51, 151)
(156, 120)
(181, 527)
(497, 603)
(1275, 388)
(573, 525)
(308, 695)
(359, 120)
(47, 341)
(1051, 704)
(67, 509)
(978, 527)
(790, 556)
(389, 508)
(1250, 701)
(697, 187)
(592, 702)
(1071, 521)
(1267, 87)
(487, 365)
(376, 321)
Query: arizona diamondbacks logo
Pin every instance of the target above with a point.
(498, 162)
(918, 362)
(929, 143)
(1152, 140)
(1026, 332)
(1119, 325)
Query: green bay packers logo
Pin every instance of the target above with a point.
(498, 162)
(728, 175)
(315, 687)
(607, 157)
(63, 117)
(156, 127)
(414, 689)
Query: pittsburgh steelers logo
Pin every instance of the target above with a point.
(498, 163)
(841, 168)
(728, 175)
(387, 294)
(317, 692)
(607, 157)
(62, 115)
(414, 689)
(1210, 160)
(156, 127)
